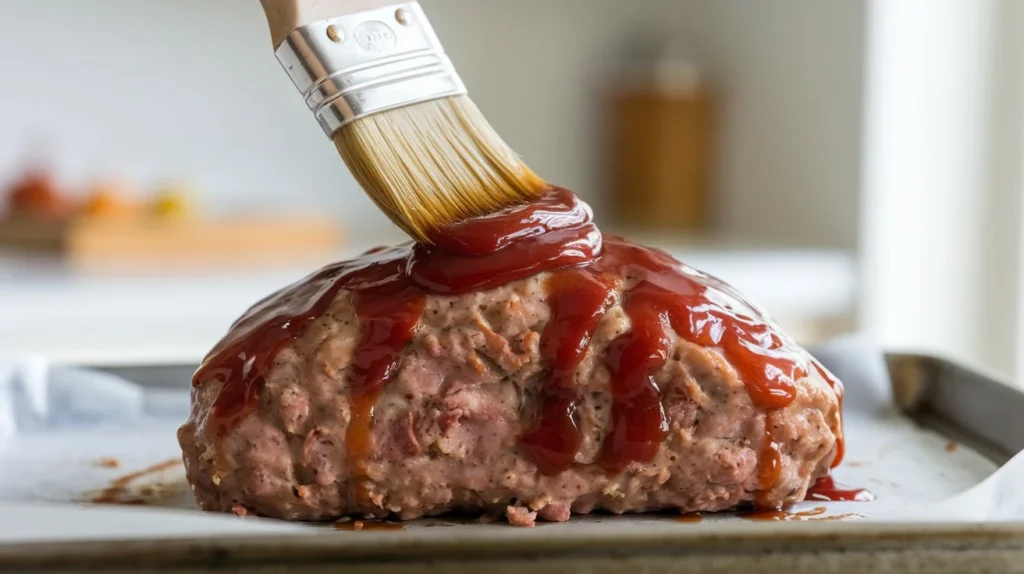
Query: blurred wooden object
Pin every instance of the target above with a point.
(661, 140)
(152, 241)
(110, 229)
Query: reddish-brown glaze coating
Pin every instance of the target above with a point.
(665, 299)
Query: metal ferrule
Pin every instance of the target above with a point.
(360, 64)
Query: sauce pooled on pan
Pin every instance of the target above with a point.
(826, 489)
(663, 299)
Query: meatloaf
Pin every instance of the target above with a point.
(446, 429)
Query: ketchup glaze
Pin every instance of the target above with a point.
(663, 299)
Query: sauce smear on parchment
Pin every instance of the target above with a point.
(116, 492)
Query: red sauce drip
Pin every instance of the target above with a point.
(826, 489)
(702, 310)
(639, 423)
(388, 316)
(666, 298)
(578, 300)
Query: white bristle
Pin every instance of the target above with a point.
(434, 163)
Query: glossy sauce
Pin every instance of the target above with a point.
(826, 489)
(663, 299)
(488, 252)
(558, 210)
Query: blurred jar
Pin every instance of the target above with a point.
(661, 115)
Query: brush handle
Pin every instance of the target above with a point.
(372, 57)
(284, 16)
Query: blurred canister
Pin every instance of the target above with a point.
(661, 125)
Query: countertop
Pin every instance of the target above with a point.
(123, 318)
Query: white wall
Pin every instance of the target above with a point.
(941, 220)
(791, 72)
(189, 87)
(1002, 315)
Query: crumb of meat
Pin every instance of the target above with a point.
(555, 512)
(521, 516)
(240, 510)
(107, 462)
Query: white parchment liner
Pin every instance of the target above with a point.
(56, 422)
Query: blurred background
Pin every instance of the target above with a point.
(852, 165)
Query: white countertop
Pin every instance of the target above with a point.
(147, 318)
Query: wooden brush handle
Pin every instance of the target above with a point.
(283, 16)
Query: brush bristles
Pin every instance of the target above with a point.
(435, 163)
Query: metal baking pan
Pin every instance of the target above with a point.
(959, 403)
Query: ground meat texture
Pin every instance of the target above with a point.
(446, 429)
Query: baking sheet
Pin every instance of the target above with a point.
(60, 426)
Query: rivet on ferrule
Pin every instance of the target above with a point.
(365, 63)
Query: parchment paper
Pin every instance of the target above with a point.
(62, 428)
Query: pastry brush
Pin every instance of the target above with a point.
(380, 85)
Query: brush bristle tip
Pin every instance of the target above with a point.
(435, 163)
